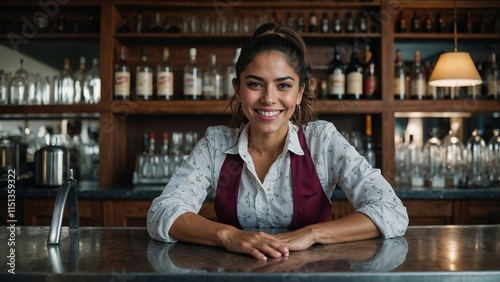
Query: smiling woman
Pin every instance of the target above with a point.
(277, 167)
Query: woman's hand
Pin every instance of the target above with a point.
(297, 240)
(257, 244)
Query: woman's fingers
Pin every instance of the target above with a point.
(257, 244)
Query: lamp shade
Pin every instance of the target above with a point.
(455, 69)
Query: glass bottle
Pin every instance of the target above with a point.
(370, 77)
(427, 24)
(440, 23)
(325, 23)
(212, 80)
(493, 79)
(337, 23)
(402, 166)
(141, 158)
(432, 91)
(362, 25)
(349, 22)
(336, 76)
(475, 156)
(122, 77)
(192, 78)
(370, 150)
(3, 88)
(313, 23)
(474, 92)
(156, 26)
(433, 162)
(301, 24)
(123, 28)
(18, 90)
(165, 77)
(164, 156)
(81, 94)
(66, 85)
(415, 23)
(401, 23)
(401, 77)
(416, 163)
(62, 24)
(418, 83)
(139, 27)
(354, 77)
(93, 84)
(230, 74)
(494, 157)
(454, 161)
(144, 78)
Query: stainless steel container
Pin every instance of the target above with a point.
(52, 165)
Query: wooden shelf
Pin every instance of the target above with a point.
(459, 105)
(443, 4)
(437, 36)
(27, 111)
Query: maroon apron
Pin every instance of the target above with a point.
(310, 204)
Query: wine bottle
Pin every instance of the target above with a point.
(415, 23)
(313, 23)
(370, 77)
(144, 78)
(370, 150)
(354, 77)
(80, 76)
(492, 79)
(230, 74)
(337, 23)
(156, 26)
(336, 76)
(418, 82)
(401, 23)
(325, 23)
(349, 22)
(440, 23)
(362, 25)
(122, 78)
(192, 78)
(401, 77)
(93, 84)
(165, 77)
(66, 85)
(123, 28)
(427, 24)
(212, 81)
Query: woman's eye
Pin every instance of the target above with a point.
(253, 84)
(284, 86)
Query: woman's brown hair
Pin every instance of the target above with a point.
(281, 38)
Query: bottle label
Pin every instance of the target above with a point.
(336, 83)
(165, 82)
(192, 85)
(370, 85)
(399, 86)
(354, 83)
(418, 87)
(144, 83)
(491, 86)
(122, 84)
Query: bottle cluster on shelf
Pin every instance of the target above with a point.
(449, 162)
(423, 22)
(245, 23)
(24, 88)
(50, 21)
(363, 143)
(411, 81)
(155, 164)
(158, 83)
(352, 80)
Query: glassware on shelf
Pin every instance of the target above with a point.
(65, 86)
(402, 166)
(433, 162)
(92, 94)
(3, 88)
(493, 158)
(454, 160)
(19, 86)
(212, 81)
(416, 163)
(475, 155)
(81, 89)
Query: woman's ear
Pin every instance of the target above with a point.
(236, 89)
(299, 95)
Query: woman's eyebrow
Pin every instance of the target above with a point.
(261, 79)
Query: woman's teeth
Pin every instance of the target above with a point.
(268, 114)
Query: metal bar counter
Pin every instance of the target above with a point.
(425, 253)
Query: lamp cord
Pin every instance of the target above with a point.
(455, 23)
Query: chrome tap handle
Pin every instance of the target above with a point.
(67, 189)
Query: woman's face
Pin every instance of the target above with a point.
(269, 91)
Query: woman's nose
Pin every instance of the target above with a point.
(268, 96)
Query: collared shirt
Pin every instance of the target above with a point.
(270, 203)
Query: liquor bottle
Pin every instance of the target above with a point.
(440, 24)
(336, 76)
(192, 78)
(92, 25)
(313, 23)
(469, 26)
(62, 24)
(144, 78)
(474, 92)
(362, 25)
(427, 24)
(290, 21)
(66, 85)
(432, 92)
(418, 83)
(301, 25)
(370, 77)
(141, 158)
(370, 150)
(212, 80)
(93, 84)
(80, 76)
(325, 23)
(349, 22)
(156, 26)
(415, 23)
(123, 28)
(401, 23)
(492, 79)
(165, 77)
(337, 23)
(122, 78)
(401, 77)
(354, 77)
(139, 27)
(230, 74)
